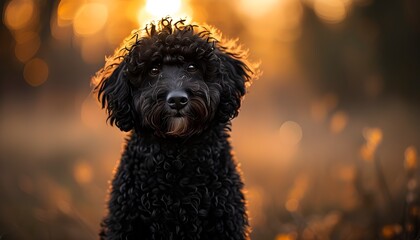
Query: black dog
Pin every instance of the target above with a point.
(175, 87)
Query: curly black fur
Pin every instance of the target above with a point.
(176, 178)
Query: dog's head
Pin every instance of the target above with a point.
(173, 79)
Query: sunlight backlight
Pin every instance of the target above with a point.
(156, 9)
(162, 8)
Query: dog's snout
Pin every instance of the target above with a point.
(177, 99)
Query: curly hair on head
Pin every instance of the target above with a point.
(225, 62)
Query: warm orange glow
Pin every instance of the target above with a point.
(373, 136)
(35, 72)
(256, 198)
(82, 172)
(367, 153)
(292, 205)
(290, 133)
(338, 122)
(410, 155)
(157, 9)
(297, 192)
(90, 19)
(92, 50)
(257, 8)
(347, 173)
(162, 8)
(67, 10)
(90, 112)
(330, 11)
(18, 14)
(389, 231)
(290, 236)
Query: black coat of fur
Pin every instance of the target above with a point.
(182, 183)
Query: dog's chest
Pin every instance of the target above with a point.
(177, 183)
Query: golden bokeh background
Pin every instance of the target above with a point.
(327, 138)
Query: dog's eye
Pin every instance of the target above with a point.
(192, 68)
(154, 71)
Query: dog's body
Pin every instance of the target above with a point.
(176, 88)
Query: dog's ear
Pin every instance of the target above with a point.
(114, 93)
(235, 77)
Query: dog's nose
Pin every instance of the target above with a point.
(177, 99)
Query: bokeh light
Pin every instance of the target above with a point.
(18, 14)
(36, 72)
(82, 172)
(330, 11)
(90, 19)
(338, 122)
(67, 10)
(290, 133)
(26, 47)
(410, 156)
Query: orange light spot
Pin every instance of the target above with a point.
(330, 11)
(67, 10)
(373, 136)
(410, 155)
(366, 152)
(290, 133)
(338, 122)
(35, 72)
(18, 14)
(82, 172)
(283, 236)
(389, 231)
(297, 192)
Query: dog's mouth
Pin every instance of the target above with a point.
(167, 122)
(177, 125)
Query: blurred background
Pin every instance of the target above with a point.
(327, 138)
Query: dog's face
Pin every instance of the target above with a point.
(175, 98)
(173, 81)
